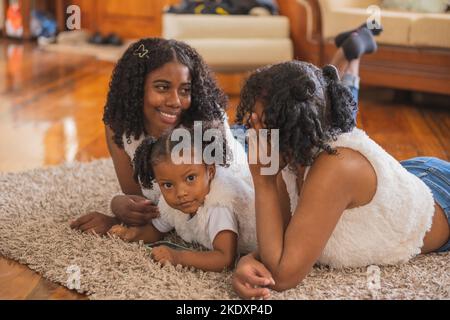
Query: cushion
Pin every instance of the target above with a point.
(426, 6)
(188, 26)
(233, 43)
(242, 54)
(396, 24)
(431, 30)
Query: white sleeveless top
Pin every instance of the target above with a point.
(130, 149)
(226, 191)
(388, 230)
(238, 166)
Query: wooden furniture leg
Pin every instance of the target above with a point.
(25, 10)
(61, 14)
(5, 9)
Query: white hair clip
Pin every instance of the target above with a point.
(141, 52)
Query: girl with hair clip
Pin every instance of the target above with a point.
(203, 201)
(339, 199)
(156, 85)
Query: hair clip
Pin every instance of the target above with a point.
(141, 52)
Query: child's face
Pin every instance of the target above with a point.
(167, 94)
(184, 186)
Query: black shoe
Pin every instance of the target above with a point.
(113, 39)
(375, 28)
(358, 44)
(96, 38)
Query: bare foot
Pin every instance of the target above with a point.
(128, 234)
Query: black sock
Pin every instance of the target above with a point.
(341, 37)
(359, 43)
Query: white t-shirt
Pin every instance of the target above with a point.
(220, 219)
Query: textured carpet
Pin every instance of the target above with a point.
(35, 208)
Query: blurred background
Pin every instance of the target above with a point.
(56, 58)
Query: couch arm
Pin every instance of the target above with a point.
(305, 26)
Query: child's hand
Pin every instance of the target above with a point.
(165, 255)
(134, 210)
(94, 222)
(125, 233)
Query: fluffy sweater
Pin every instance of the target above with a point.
(388, 230)
(227, 191)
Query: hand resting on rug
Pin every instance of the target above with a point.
(221, 257)
(94, 222)
(129, 209)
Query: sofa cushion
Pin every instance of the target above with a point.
(431, 30)
(214, 26)
(425, 6)
(336, 4)
(242, 54)
(396, 24)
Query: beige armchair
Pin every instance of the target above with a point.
(233, 43)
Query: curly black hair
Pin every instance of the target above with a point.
(308, 104)
(123, 111)
(152, 151)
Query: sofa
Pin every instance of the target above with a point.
(234, 43)
(414, 49)
(403, 28)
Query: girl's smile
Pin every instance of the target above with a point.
(167, 95)
(170, 117)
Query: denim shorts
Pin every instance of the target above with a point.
(352, 82)
(435, 173)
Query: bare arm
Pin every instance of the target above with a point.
(331, 187)
(122, 165)
(150, 234)
(222, 257)
(285, 203)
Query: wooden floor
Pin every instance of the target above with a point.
(51, 107)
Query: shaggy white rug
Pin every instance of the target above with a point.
(36, 207)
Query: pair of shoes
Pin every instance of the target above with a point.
(359, 41)
(111, 39)
(373, 26)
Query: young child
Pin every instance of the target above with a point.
(204, 203)
(156, 85)
(339, 199)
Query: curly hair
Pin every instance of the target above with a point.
(309, 105)
(152, 151)
(123, 111)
